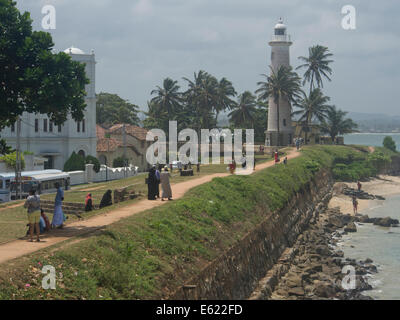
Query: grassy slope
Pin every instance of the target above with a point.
(147, 254)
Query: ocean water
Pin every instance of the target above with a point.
(371, 139)
(382, 245)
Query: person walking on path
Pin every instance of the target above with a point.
(285, 161)
(359, 185)
(355, 205)
(276, 156)
(298, 144)
(152, 184)
(180, 167)
(158, 175)
(33, 206)
(58, 218)
(166, 185)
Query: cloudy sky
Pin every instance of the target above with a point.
(138, 43)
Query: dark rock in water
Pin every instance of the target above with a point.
(351, 227)
(362, 284)
(361, 194)
(371, 268)
(365, 219)
(368, 260)
(385, 222)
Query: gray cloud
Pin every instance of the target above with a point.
(138, 43)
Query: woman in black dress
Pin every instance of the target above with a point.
(152, 184)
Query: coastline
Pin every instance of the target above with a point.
(315, 263)
(384, 186)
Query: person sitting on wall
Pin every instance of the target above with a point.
(88, 203)
(106, 201)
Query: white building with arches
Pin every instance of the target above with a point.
(56, 143)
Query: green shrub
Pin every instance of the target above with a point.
(11, 160)
(95, 161)
(389, 143)
(75, 163)
(119, 162)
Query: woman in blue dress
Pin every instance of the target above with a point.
(58, 218)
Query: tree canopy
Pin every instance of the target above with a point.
(389, 143)
(32, 78)
(112, 109)
(317, 66)
(336, 123)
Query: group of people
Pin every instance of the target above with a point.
(106, 201)
(38, 220)
(156, 177)
(277, 159)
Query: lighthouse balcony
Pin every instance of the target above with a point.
(281, 38)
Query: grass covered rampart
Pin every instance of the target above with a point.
(150, 254)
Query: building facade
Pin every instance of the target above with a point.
(110, 145)
(56, 143)
(280, 131)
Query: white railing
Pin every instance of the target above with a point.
(281, 38)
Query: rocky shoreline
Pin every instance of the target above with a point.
(313, 269)
(315, 272)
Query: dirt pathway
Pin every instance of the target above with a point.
(12, 206)
(18, 248)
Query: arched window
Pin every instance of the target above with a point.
(103, 159)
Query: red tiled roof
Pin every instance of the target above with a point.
(100, 132)
(108, 145)
(134, 131)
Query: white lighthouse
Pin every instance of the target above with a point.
(279, 120)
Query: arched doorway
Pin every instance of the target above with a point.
(82, 153)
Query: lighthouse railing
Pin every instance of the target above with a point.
(282, 38)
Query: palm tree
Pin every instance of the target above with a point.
(282, 84)
(244, 111)
(156, 117)
(336, 123)
(225, 90)
(202, 96)
(312, 107)
(168, 97)
(317, 66)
